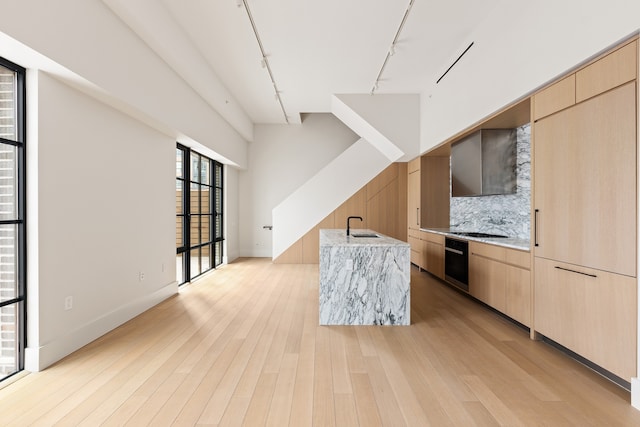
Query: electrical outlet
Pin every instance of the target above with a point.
(141, 276)
(68, 303)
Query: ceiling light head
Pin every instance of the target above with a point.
(392, 50)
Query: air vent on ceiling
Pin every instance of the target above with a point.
(455, 62)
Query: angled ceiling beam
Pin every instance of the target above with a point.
(154, 25)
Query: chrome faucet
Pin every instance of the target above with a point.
(348, 219)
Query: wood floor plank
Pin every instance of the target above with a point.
(406, 398)
(197, 401)
(365, 400)
(489, 400)
(280, 410)
(339, 365)
(220, 398)
(242, 346)
(346, 413)
(258, 410)
(388, 407)
(323, 404)
(302, 405)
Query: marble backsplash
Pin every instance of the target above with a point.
(505, 214)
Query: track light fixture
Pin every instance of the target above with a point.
(392, 49)
(264, 62)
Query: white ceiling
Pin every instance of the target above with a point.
(314, 48)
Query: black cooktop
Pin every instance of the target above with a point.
(476, 234)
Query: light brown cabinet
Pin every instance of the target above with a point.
(413, 200)
(413, 213)
(591, 312)
(428, 192)
(417, 248)
(434, 192)
(487, 279)
(556, 97)
(434, 253)
(585, 162)
(427, 207)
(585, 183)
(615, 69)
(501, 277)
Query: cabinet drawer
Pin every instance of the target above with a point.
(432, 237)
(495, 252)
(591, 312)
(518, 258)
(613, 70)
(415, 243)
(413, 233)
(556, 97)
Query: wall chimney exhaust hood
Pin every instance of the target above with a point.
(484, 163)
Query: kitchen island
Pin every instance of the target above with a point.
(364, 280)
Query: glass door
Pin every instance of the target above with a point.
(199, 195)
(12, 222)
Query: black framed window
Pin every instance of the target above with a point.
(12, 219)
(199, 220)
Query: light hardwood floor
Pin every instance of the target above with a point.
(242, 346)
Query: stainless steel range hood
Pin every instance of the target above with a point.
(484, 163)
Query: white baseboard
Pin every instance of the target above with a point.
(635, 392)
(39, 358)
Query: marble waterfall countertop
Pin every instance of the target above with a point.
(508, 242)
(364, 280)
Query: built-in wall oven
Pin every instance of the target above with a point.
(456, 262)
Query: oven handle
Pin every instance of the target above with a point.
(455, 251)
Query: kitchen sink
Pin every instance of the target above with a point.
(364, 235)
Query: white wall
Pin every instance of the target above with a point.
(281, 159)
(231, 211)
(86, 38)
(102, 202)
(520, 47)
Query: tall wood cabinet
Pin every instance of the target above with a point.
(413, 194)
(427, 207)
(584, 144)
(413, 212)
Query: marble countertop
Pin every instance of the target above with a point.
(508, 242)
(338, 237)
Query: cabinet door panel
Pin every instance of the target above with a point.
(585, 183)
(487, 281)
(416, 250)
(413, 200)
(554, 98)
(435, 259)
(593, 316)
(518, 294)
(613, 70)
